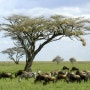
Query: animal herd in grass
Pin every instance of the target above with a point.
(68, 75)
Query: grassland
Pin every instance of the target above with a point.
(45, 67)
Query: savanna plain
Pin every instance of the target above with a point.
(44, 67)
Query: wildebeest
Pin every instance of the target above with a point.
(48, 79)
(61, 72)
(61, 75)
(18, 73)
(65, 68)
(88, 73)
(83, 76)
(73, 77)
(5, 75)
(45, 78)
(74, 69)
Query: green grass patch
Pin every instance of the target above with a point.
(45, 67)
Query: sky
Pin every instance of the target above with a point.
(65, 47)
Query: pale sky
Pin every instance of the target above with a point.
(65, 48)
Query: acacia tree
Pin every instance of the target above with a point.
(14, 53)
(28, 31)
(72, 60)
(58, 59)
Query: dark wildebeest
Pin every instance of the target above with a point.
(83, 76)
(5, 75)
(18, 73)
(74, 69)
(88, 73)
(73, 77)
(45, 78)
(62, 76)
(61, 72)
(65, 68)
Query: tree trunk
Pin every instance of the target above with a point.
(29, 61)
(28, 65)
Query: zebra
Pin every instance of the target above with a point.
(27, 75)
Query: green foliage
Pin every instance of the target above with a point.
(41, 28)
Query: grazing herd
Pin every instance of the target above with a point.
(66, 74)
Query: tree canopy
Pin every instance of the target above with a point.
(14, 53)
(58, 59)
(27, 31)
(72, 60)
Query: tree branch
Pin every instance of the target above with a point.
(41, 46)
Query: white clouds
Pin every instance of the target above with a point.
(39, 11)
(42, 11)
(13, 7)
(68, 11)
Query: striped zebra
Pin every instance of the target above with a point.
(26, 75)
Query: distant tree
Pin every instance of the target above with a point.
(58, 59)
(14, 53)
(72, 60)
(27, 31)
